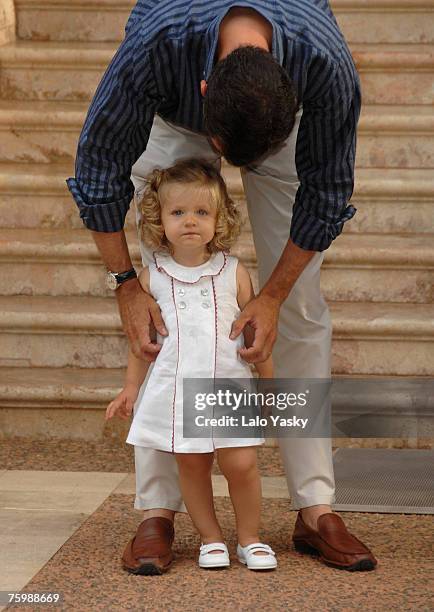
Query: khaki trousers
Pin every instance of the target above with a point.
(303, 345)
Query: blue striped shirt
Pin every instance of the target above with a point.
(169, 46)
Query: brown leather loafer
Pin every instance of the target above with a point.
(335, 545)
(149, 552)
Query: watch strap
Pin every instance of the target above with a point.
(121, 277)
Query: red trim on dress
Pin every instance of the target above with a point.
(215, 325)
(216, 336)
(176, 371)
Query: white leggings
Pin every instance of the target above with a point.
(303, 345)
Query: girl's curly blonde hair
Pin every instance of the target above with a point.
(228, 218)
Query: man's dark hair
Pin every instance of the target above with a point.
(250, 104)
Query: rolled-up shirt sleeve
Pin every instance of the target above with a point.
(114, 135)
(325, 157)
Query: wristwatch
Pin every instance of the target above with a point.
(115, 279)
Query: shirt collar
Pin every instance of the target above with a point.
(213, 32)
(186, 274)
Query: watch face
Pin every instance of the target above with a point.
(112, 283)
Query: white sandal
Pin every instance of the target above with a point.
(246, 555)
(207, 559)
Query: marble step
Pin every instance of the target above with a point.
(70, 403)
(393, 201)
(104, 20)
(47, 132)
(45, 403)
(395, 73)
(358, 268)
(36, 196)
(67, 263)
(395, 136)
(385, 21)
(65, 332)
(391, 73)
(387, 200)
(40, 132)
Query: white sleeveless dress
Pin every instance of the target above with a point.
(198, 305)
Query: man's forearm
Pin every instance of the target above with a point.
(114, 250)
(289, 267)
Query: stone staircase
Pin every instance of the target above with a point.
(63, 349)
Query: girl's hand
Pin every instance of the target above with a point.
(123, 404)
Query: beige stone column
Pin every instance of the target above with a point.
(7, 21)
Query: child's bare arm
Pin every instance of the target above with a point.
(123, 403)
(136, 371)
(244, 296)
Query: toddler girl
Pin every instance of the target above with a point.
(190, 221)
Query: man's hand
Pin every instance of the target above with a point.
(141, 316)
(262, 314)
